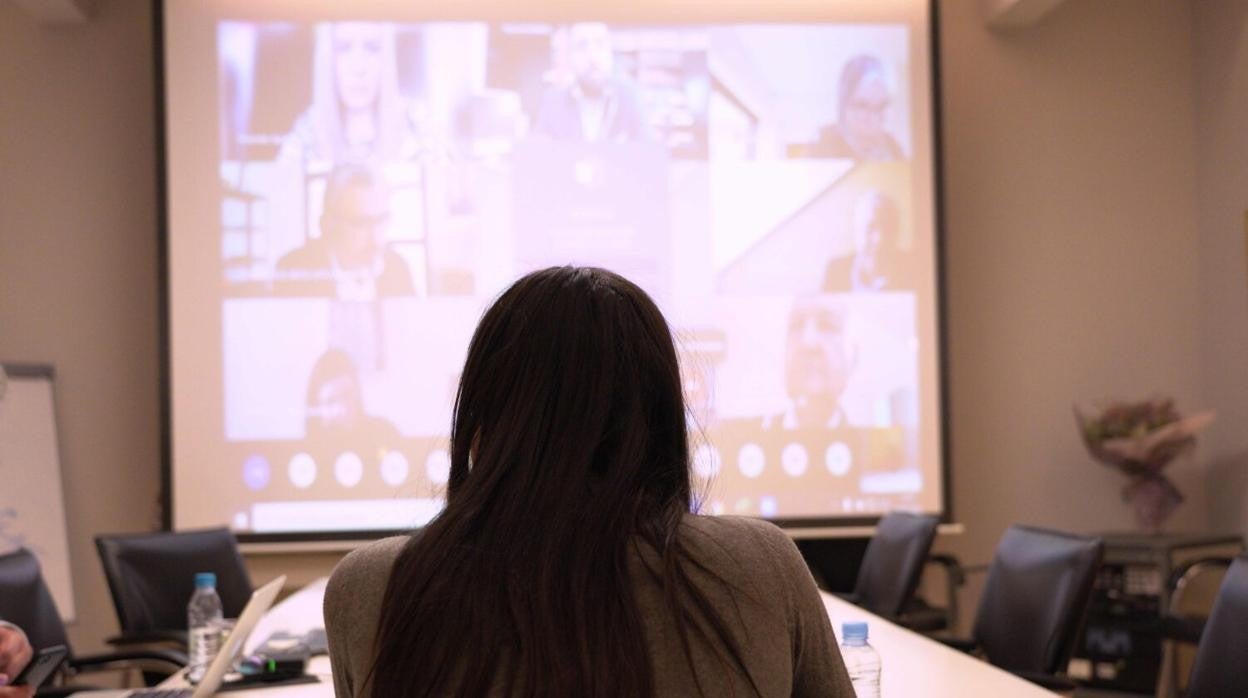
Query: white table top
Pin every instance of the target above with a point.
(914, 666)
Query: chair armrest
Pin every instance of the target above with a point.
(175, 637)
(1183, 628)
(173, 659)
(1057, 684)
(953, 568)
(955, 578)
(1192, 568)
(1180, 627)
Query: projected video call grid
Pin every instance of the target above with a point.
(383, 182)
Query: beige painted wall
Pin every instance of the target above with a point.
(1072, 270)
(1074, 263)
(78, 264)
(1221, 52)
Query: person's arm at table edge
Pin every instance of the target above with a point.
(15, 654)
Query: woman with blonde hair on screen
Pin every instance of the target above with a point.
(357, 112)
(567, 561)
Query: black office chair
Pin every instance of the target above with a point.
(1219, 669)
(151, 577)
(26, 602)
(893, 563)
(1034, 603)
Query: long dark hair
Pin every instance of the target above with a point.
(568, 448)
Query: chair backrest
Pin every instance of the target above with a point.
(1219, 669)
(1035, 598)
(152, 576)
(26, 602)
(894, 561)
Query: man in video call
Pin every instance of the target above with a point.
(818, 362)
(350, 260)
(877, 262)
(597, 106)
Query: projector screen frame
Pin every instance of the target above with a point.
(796, 527)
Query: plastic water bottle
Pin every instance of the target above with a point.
(204, 624)
(861, 660)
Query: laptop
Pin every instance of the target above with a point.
(214, 676)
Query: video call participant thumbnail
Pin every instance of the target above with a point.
(877, 263)
(336, 418)
(860, 132)
(350, 260)
(357, 112)
(595, 105)
(818, 363)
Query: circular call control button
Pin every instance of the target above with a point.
(348, 469)
(394, 468)
(794, 460)
(751, 460)
(438, 467)
(256, 472)
(302, 471)
(706, 462)
(839, 459)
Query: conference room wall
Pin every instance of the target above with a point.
(1073, 256)
(1220, 31)
(1073, 259)
(78, 277)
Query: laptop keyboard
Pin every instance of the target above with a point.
(162, 693)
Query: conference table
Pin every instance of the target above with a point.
(914, 666)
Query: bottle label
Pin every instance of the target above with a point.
(205, 642)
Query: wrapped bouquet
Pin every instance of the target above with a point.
(1139, 439)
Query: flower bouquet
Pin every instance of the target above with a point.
(1139, 439)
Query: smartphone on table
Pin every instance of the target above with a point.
(41, 667)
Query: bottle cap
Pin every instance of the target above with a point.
(205, 580)
(854, 632)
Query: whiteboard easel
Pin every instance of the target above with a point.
(32, 501)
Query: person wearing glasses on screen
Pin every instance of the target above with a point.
(819, 360)
(593, 104)
(860, 132)
(350, 260)
(878, 263)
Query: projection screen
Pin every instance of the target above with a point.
(349, 185)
